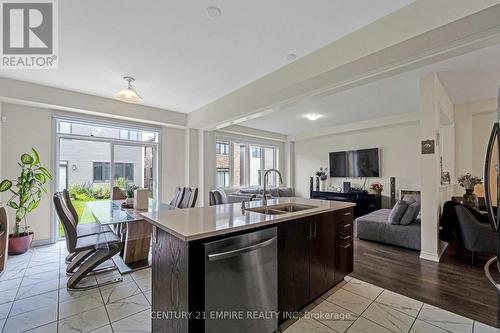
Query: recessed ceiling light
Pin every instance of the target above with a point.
(291, 56)
(312, 116)
(213, 12)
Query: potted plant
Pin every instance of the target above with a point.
(377, 188)
(26, 192)
(321, 174)
(468, 182)
(130, 193)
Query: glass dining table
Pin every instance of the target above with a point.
(130, 227)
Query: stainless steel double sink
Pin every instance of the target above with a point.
(280, 209)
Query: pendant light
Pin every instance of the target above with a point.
(128, 94)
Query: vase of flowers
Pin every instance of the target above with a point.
(130, 193)
(468, 182)
(376, 188)
(321, 174)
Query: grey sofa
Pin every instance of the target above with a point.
(376, 227)
(274, 192)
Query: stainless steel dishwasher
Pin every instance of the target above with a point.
(241, 283)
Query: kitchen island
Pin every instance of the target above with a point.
(244, 269)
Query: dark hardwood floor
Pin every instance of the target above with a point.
(451, 284)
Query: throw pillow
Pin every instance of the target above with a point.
(411, 214)
(397, 212)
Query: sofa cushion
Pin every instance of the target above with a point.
(397, 212)
(285, 192)
(220, 196)
(274, 192)
(410, 214)
(250, 190)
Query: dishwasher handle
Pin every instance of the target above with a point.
(237, 252)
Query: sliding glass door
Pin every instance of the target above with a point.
(93, 159)
(134, 165)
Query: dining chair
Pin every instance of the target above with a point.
(118, 194)
(4, 233)
(84, 229)
(178, 197)
(91, 250)
(190, 197)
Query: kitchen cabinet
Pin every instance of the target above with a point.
(293, 265)
(314, 254)
(322, 254)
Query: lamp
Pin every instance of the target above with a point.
(129, 95)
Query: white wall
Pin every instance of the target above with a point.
(173, 168)
(28, 127)
(482, 123)
(473, 124)
(399, 145)
(434, 102)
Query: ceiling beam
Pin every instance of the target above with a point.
(31, 94)
(421, 33)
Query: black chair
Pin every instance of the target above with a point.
(477, 237)
(189, 198)
(91, 251)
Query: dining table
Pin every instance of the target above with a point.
(134, 232)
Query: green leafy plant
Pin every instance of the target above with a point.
(130, 190)
(121, 183)
(27, 189)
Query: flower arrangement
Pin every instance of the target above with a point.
(377, 187)
(468, 181)
(130, 191)
(322, 173)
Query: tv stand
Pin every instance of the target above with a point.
(365, 202)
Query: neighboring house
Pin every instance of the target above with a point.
(88, 162)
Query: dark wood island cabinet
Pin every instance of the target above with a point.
(314, 253)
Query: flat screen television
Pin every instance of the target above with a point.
(355, 163)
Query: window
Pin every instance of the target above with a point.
(255, 166)
(222, 148)
(222, 178)
(241, 164)
(104, 131)
(122, 170)
(256, 152)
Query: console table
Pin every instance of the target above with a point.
(365, 202)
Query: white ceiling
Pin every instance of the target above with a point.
(181, 58)
(467, 78)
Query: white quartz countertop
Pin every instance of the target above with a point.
(203, 222)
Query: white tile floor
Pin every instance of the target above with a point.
(33, 298)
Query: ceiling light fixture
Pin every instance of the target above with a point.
(129, 95)
(313, 116)
(214, 12)
(291, 56)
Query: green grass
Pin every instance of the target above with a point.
(84, 216)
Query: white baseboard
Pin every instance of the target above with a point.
(434, 256)
(429, 256)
